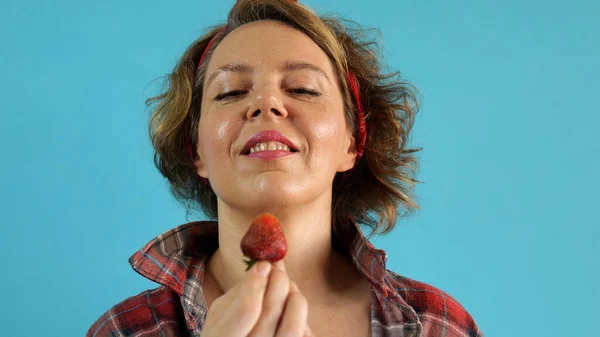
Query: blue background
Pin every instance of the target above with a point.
(509, 121)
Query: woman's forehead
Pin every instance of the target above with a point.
(269, 45)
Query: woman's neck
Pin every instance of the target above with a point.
(310, 261)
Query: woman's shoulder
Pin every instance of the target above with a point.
(156, 310)
(437, 311)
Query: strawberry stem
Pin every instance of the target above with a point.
(250, 263)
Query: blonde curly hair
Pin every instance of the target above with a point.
(376, 191)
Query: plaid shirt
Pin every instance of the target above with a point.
(177, 259)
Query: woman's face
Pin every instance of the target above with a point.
(268, 86)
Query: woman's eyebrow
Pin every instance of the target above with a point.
(242, 67)
(233, 67)
(301, 65)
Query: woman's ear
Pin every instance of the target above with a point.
(200, 168)
(198, 162)
(350, 153)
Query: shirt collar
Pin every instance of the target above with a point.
(176, 259)
(167, 258)
(170, 258)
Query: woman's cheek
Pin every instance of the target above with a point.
(220, 132)
(223, 130)
(325, 132)
(212, 137)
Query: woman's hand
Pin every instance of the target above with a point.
(263, 303)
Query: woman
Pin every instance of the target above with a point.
(284, 112)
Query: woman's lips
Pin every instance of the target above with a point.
(267, 136)
(270, 154)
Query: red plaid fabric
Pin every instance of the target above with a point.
(176, 260)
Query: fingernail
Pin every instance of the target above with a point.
(279, 265)
(264, 268)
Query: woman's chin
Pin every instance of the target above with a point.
(270, 197)
(269, 192)
(276, 195)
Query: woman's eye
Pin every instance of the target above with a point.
(304, 91)
(229, 95)
(232, 94)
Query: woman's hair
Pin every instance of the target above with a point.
(382, 182)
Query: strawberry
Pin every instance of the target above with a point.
(264, 240)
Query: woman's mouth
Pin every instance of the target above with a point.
(268, 145)
(269, 151)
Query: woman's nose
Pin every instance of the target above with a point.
(267, 104)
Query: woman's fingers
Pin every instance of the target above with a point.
(294, 320)
(274, 301)
(264, 303)
(279, 265)
(308, 332)
(237, 312)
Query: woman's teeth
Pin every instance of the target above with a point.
(270, 146)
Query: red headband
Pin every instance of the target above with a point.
(355, 92)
